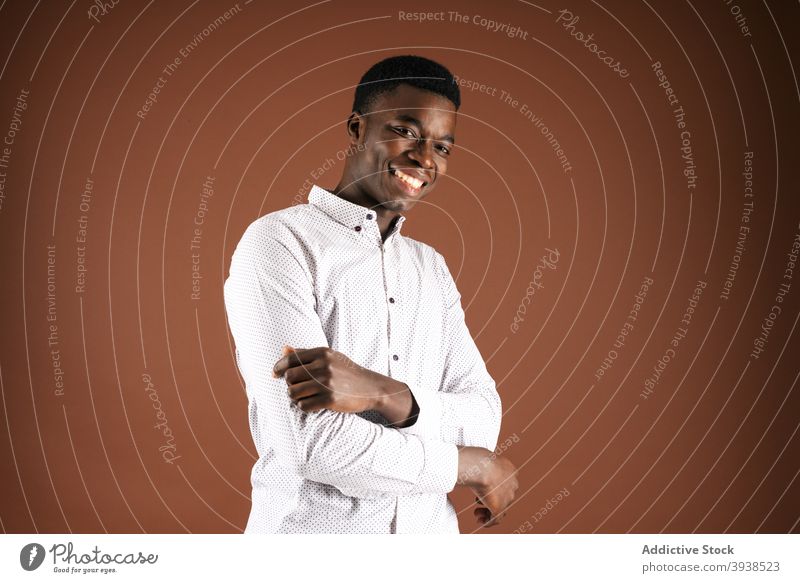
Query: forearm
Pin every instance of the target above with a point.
(360, 458)
(387, 463)
(468, 418)
(472, 418)
(344, 450)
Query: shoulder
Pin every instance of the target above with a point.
(291, 227)
(276, 237)
(279, 224)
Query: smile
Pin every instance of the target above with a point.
(412, 184)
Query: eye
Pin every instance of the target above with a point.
(443, 149)
(403, 131)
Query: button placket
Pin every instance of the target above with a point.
(386, 264)
(369, 225)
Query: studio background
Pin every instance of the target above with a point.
(140, 139)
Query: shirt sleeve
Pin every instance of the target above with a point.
(467, 407)
(270, 303)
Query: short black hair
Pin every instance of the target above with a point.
(413, 70)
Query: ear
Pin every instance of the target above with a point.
(356, 128)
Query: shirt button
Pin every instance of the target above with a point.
(391, 300)
(369, 217)
(358, 227)
(394, 356)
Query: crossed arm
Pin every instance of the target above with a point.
(270, 305)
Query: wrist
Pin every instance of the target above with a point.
(381, 400)
(473, 466)
(393, 400)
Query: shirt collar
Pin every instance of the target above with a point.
(348, 213)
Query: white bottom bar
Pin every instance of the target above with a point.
(417, 559)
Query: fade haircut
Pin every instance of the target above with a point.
(412, 70)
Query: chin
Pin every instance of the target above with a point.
(398, 204)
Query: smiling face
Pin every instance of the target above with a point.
(404, 142)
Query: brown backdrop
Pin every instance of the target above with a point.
(106, 343)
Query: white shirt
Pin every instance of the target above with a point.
(317, 274)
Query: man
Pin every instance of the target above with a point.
(368, 399)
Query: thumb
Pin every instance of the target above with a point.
(285, 351)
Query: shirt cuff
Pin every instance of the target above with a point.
(425, 466)
(429, 418)
(441, 467)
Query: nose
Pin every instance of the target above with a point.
(423, 153)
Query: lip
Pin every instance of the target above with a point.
(405, 188)
(412, 172)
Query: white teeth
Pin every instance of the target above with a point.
(414, 182)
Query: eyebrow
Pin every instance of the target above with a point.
(413, 120)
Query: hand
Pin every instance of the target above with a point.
(493, 479)
(322, 378)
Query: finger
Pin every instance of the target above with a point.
(301, 373)
(311, 404)
(293, 357)
(494, 520)
(483, 517)
(284, 352)
(303, 390)
(482, 514)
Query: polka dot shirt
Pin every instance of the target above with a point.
(318, 274)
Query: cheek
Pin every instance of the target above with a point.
(376, 153)
(392, 147)
(368, 162)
